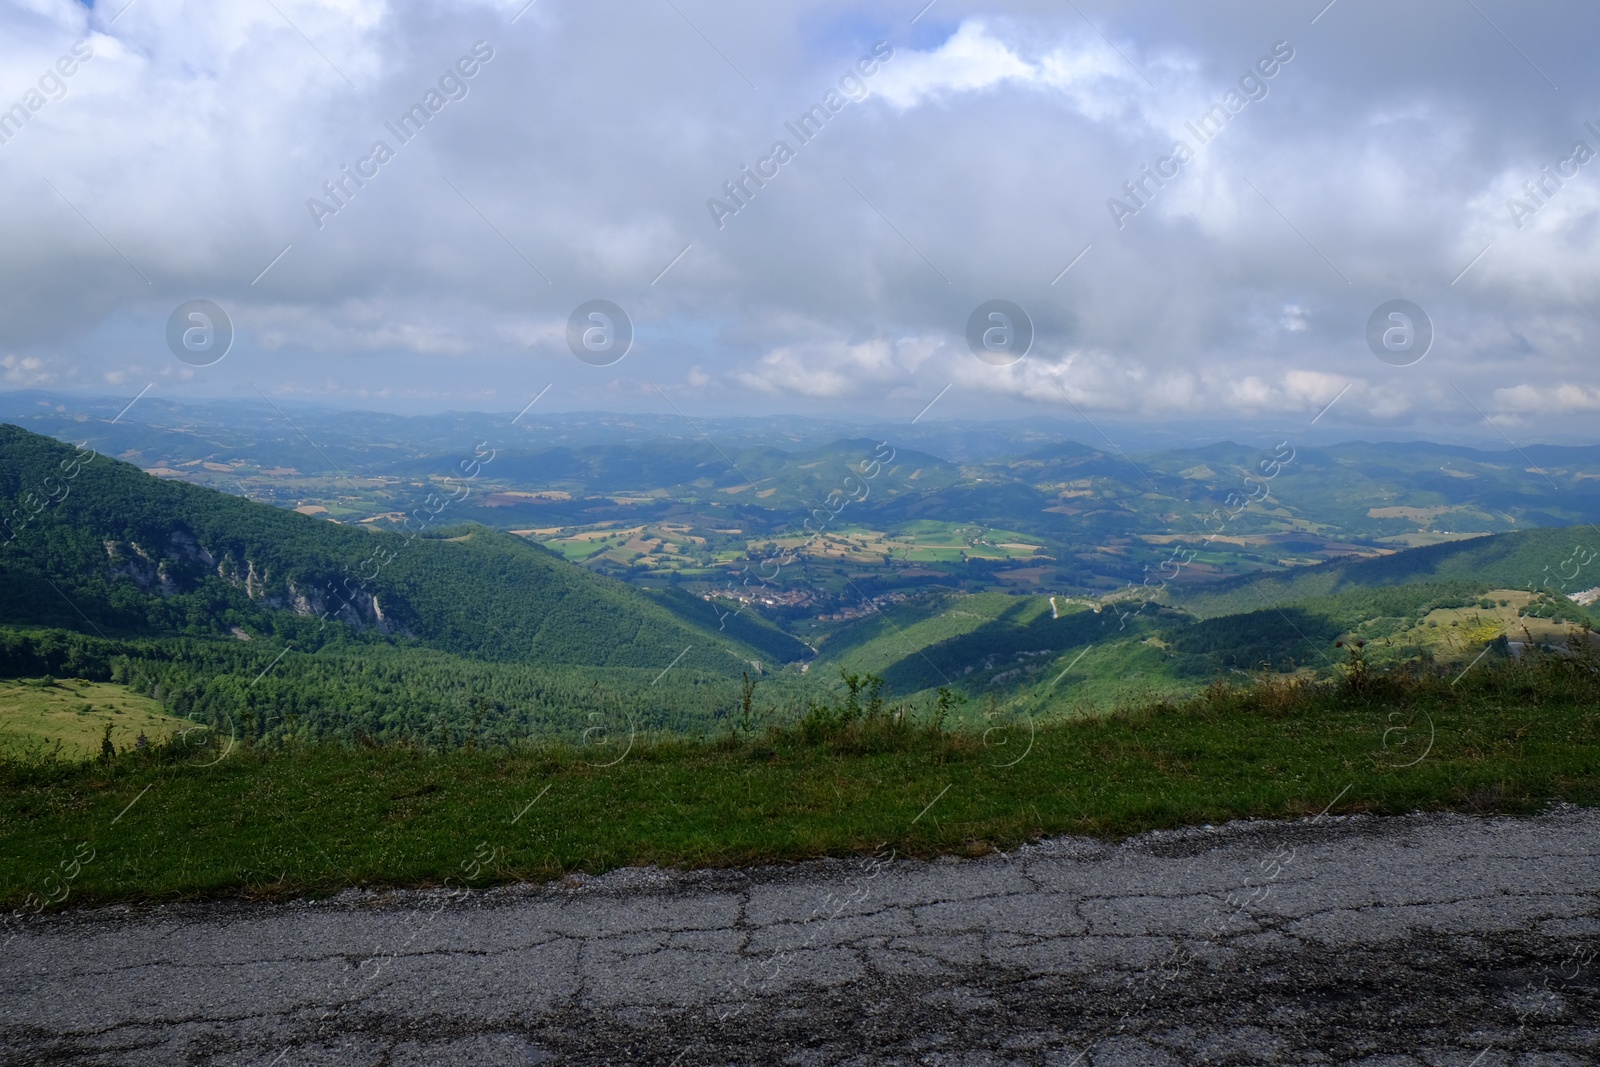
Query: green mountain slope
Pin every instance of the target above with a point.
(91, 543)
(1424, 605)
(1561, 560)
(979, 643)
(738, 622)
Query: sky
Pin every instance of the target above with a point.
(1188, 213)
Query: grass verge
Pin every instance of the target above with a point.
(171, 822)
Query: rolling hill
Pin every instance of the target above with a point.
(1438, 604)
(95, 544)
(1561, 560)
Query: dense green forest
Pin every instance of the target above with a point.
(357, 692)
(256, 620)
(737, 621)
(93, 541)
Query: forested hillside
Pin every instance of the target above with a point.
(1563, 560)
(371, 691)
(95, 544)
(1435, 605)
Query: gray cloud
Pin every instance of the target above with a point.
(977, 163)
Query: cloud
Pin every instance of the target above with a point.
(1377, 164)
(1562, 399)
(24, 372)
(837, 369)
(970, 60)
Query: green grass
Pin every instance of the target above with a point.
(318, 819)
(875, 641)
(35, 716)
(1110, 674)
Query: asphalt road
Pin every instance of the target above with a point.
(1437, 940)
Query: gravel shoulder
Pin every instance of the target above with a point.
(1428, 939)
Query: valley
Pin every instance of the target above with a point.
(606, 577)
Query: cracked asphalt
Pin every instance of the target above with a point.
(1438, 940)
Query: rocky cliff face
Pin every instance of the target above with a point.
(182, 563)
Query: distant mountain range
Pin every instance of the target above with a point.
(688, 500)
(1054, 576)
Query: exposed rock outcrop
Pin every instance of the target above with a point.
(184, 561)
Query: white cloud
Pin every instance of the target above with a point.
(970, 60)
(192, 139)
(1561, 399)
(24, 372)
(826, 369)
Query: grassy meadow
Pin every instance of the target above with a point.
(216, 817)
(37, 715)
